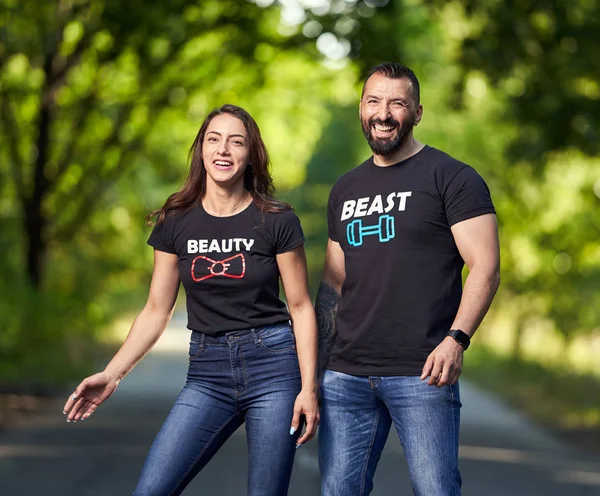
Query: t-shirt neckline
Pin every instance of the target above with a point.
(234, 216)
(402, 163)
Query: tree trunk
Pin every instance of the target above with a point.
(35, 221)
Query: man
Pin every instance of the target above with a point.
(394, 319)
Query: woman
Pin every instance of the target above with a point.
(228, 241)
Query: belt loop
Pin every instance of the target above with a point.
(257, 340)
(202, 341)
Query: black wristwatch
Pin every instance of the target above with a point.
(460, 337)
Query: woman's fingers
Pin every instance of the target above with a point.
(312, 418)
(82, 410)
(295, 420)
(312, 422)
(75, 396)
(91, 409)
(75, 408)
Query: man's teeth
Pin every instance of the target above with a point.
(221, 162)
(383, 129)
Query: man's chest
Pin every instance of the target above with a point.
(392, 216)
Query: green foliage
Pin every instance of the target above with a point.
(543, 56)
(101, 99)
(99, 103)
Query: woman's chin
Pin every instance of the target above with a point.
(226, 179)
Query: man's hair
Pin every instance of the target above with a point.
(394, 70)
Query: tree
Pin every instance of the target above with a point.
(83, 84)
(543, 55)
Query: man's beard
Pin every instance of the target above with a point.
(385, 147)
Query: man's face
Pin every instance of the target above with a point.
(388, 113)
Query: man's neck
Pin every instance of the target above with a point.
(410, 148)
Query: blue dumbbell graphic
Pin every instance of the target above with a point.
(385, 230)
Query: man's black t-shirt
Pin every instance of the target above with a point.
(227, 265)
(403, 270)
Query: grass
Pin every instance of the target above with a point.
(563, 401)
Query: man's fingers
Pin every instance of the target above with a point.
(435, 373)
(427, 367)
(444, 379)
(456, 376)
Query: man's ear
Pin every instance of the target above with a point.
(418, 114)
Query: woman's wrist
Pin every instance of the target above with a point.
(113, 375)
(310, 387)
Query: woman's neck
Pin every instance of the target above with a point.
(224, 202)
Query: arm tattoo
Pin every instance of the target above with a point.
(326, 307)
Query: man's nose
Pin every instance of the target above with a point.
(383, 112)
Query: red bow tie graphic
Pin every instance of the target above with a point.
(205, 268)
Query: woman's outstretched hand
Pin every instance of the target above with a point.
(88, 396)
(306, 404)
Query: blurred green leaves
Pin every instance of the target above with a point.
(101, 99)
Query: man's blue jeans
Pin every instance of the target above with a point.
(356, 416)
(247, 376)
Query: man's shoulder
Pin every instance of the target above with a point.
(444, 162)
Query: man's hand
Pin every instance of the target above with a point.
(444, 364)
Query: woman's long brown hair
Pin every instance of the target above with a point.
(257, 177)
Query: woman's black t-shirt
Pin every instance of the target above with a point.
(227, 265)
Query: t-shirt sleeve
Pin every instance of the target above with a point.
(287, 231)
(162, 237)
(467, 196)
(331, 228)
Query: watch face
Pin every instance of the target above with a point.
(461, 337)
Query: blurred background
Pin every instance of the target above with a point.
(100, 101)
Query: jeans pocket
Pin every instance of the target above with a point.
(194, 350)
(279, 341)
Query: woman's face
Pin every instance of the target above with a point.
(225, 150)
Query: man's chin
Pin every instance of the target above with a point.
(384, 147)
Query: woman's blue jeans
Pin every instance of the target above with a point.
(247, 376)
(356, 416)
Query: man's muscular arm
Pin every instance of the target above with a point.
(477, 242)
(328, 298)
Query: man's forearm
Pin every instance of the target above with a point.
(478, 293)
(326, 307)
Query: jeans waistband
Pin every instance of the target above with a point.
(241, 336)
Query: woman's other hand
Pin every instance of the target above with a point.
(89, 395)
(306, 404)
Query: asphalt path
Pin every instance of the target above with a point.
(501, 453)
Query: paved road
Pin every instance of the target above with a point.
(501, 453)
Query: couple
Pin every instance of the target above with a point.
(393, 319)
